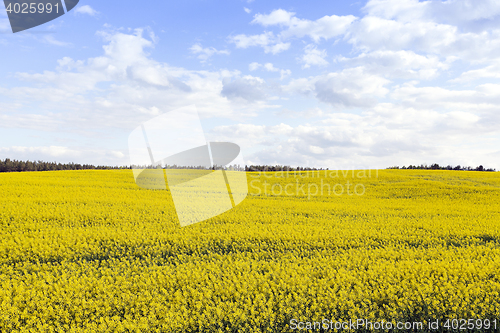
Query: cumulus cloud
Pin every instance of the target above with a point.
(270, 68)
(284, 73)
(254, 66)
(423, 27)
(86, 9)
(205, 53)
(483, 98)
(488, 72)
(351, 88)
(348, 142)
(277, 48)
(248, 88)
(244, 41)
(452, 12)
(278, 16)
(348, 88)
(323, 28)
(375, 33)
(118, 89)
(313, 57)
(267, 40)
(372, 139)
(400, 64)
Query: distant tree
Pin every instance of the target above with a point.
(436, 166)
(9, 166)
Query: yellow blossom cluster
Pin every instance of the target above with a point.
(90, 251)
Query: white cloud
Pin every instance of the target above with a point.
(285, 73)
(425, 27)
(307, 113)
(488, 72)
(30, 121)
(248, 89)
(450, 11)
(385, 135)
(154, 111)
(66, 63)
(248, 11)
(420, 26)
(375, 33)
(278, 16)
(400, 64)
(277, 48)
(52, 151)
(244, 41)
(402, 10)
(270, 68)
(111, 93)
(254, 66)
(347, 141)
(301, 86)
(205, 53)
(323, 28)
(482, 99)
(86, 9)
(351, 87)
(267, 66)
(313, 56)
(63, 154)
(266, 40)
(49, 39)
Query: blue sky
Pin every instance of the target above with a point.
(338, 84)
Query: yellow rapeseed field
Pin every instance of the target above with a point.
(90, 251)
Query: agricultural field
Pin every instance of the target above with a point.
(90, 251)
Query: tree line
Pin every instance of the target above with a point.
(436, 166)
(9, 165)
(235, 167)
(271, 168)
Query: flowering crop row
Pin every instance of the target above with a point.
(89, 251)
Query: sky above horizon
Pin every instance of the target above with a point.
(337, 84)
